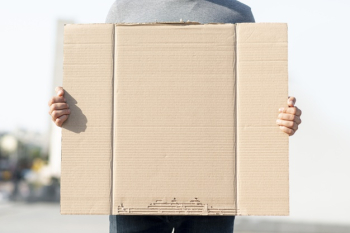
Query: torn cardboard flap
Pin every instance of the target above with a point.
(175, 119)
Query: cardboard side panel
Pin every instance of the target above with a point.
(174, 122)
(87, 134)
(262, 148)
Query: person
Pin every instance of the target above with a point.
(202, 11)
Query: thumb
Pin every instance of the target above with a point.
(59, 91)
(291, 101)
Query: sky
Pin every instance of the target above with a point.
(319, 78)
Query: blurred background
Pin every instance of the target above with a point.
(319, 77)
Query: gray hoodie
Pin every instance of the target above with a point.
(202, 11)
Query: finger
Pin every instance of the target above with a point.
(58, 106)
(291, 101)
(57, 113)
(291, 110)
(289, 117)
(287, 130)
(288, 124)
(59, 121)
(59, 91)
(57, 99)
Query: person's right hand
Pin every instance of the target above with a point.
(59, 109)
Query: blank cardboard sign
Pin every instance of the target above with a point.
(175, 119)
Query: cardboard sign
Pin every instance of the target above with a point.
(175, 119)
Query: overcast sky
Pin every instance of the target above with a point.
(319, 78)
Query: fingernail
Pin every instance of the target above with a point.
(278, 121)
(68, 110)
(281, 109)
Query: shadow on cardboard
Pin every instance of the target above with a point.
(77, 121)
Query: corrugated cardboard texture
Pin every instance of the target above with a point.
(174, 99)
(174, 119)
(262, 148)
(87, 134)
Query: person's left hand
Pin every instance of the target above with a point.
(289, 118)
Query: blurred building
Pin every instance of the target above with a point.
(18, 150)
(23, 159)
(55, 132)
(30, 162)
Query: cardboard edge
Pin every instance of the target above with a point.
(167, 23)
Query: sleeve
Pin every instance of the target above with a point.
(112, 14)
(245, 13)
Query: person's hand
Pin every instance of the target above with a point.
(59, 109)
(289, 118)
